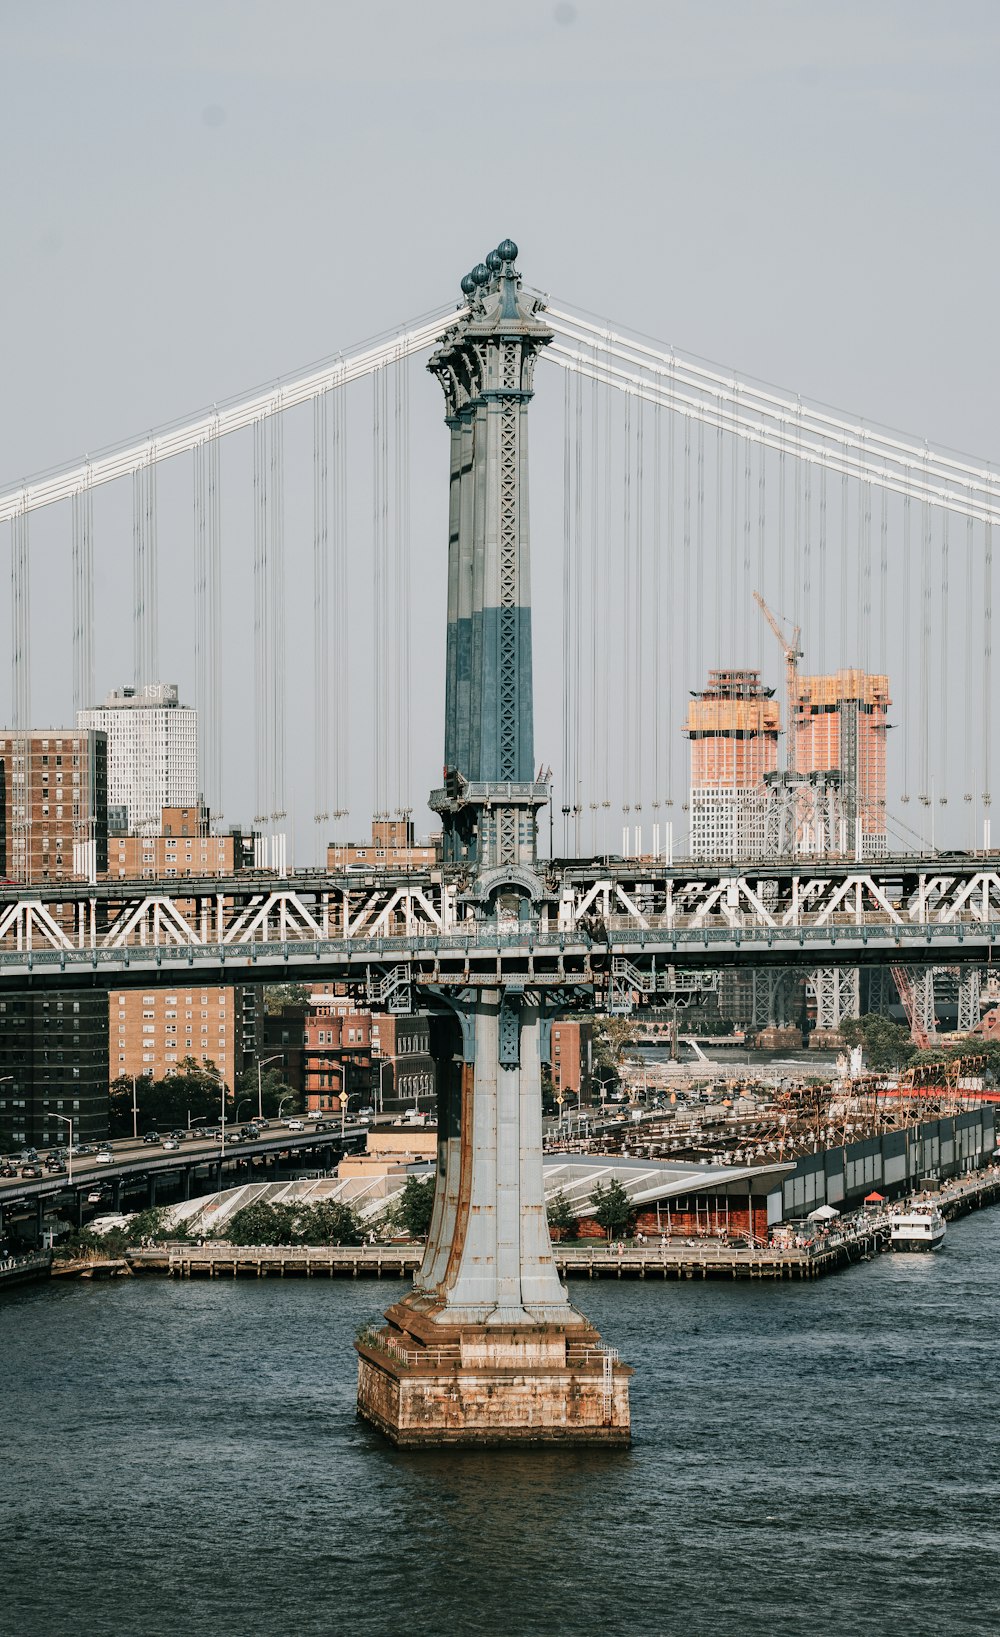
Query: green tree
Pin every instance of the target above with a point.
(261, 1223)
(195, 1088)
(886, 1045)
(277, 995)
(329, 1222)
(274, 1090)
(612, 1207)
(562, 1218)
(412, 1210)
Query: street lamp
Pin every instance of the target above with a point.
(236, 1116)
(289, 1099)
(67, 1119)
(262, 1062)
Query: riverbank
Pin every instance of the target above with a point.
(848, 1241)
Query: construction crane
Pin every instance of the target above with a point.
(792, 653)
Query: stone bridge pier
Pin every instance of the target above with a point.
(488, 1349)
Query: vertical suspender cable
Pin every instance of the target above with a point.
(260, 651)
(20, 634)
(200, 529)
(987, 675)
(214, 567)
(567, 614)
(669, 621)
(321, 613)
(138, 584)
(605, 625)
(378, 725)
(638, 687)
(907, 697)
(593, 685)
(699, 566)
(820, 633)
(944, 732)
(342, 670)
(84, 682)
(277, 608)
(659, 624)
(626, 608)
(761, 543)
(968, 714)
(404, 800)
(719, 599)
(577, 608)
(925, 652)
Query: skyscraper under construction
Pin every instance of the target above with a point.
(733, 727)
(840, 725)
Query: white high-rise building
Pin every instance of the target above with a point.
(152, 752)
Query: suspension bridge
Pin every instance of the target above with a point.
(684, 490)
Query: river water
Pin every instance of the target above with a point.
(184, 1458)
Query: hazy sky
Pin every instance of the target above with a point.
(204, 194)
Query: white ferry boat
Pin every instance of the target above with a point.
(920, 1228)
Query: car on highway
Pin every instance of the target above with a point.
(295, 1125)
(83, 1148)
(55, 1167)
(104, 1156)
(170, 1143)
(8, 1170)
(180, 1135)
(261, 1125)
(198, 1131)
(151, 1136)
(31, 1170)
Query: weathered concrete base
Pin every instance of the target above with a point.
(826, 1040)
(779, 1038)
(427, 1384)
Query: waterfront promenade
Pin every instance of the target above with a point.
(854, 1239)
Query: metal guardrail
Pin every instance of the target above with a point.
(677, 941)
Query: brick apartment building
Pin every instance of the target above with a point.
(183, 846)
(392, 847)
(53, 804)
(153, 1032)
(374, 1057)
(571, 1059)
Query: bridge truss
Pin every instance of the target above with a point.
(627, 933)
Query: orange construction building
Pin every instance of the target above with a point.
(733, 727)
(840, 723)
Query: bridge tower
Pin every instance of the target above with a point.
(486, 364)
(487, 1349)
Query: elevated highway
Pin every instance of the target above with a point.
(131, 1180)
